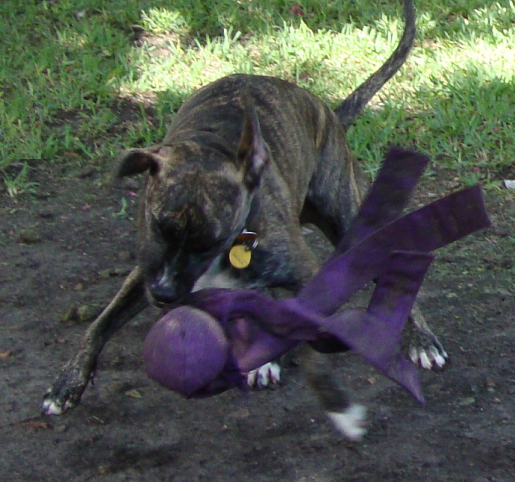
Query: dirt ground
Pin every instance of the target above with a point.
(63, 253)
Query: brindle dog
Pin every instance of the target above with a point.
(243, 153)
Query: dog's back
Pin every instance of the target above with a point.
(312, 174)
(294, 124)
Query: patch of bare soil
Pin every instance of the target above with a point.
(64, 253)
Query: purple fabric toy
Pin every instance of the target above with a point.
(206, 347)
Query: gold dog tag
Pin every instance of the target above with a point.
(239, 256)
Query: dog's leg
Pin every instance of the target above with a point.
(294, 268)
(348, 417)
(75, 375)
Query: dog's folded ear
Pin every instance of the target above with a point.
(253, 153)
(137, 161)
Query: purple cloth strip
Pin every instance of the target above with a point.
(429, 228)
(387, 197)
(377, 335)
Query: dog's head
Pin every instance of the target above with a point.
(197, 200)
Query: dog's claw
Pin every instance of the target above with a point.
(265, 376)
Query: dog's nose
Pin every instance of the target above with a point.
(162, 294)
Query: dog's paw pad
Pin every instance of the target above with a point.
(350, 422)
(265, 376)
(428, 358)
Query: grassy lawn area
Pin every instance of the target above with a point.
(83, 80)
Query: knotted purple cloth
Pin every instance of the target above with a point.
(206, 346)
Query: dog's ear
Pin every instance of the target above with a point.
(253, 152)
(136, 161)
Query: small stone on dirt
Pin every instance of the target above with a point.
(131, 184)
(124, 255)
(70, 314)
(42, 195)
(133, 394)
(108, 273)
(466, 401)
(61, 428)
(89, 171)
(105, 273)
(87, 312)
(29, 236)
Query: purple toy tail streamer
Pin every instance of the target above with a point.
(387, 197)
(397, 288)
(424, 230)
(376, 334)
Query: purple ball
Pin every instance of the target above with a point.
(185, 350)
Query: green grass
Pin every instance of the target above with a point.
(82, 80)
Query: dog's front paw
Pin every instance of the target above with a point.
(65, 393)
(350, 422)
(265, 376)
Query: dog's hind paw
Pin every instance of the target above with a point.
(428, 358)
(424, 348)
(350, 422)
(267, 375)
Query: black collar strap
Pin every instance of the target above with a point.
(248, 238)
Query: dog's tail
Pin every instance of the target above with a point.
(354, 104)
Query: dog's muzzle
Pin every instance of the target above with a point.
(168, 290)
(162, 294)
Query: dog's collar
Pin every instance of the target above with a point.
(240, 253)
(254, 212)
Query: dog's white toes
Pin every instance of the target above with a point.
(438, 358)
(51, 408)
(251, 378)
(428, 359)
(265, 376)
(350, 422)
(425, 361)
(413, 354)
